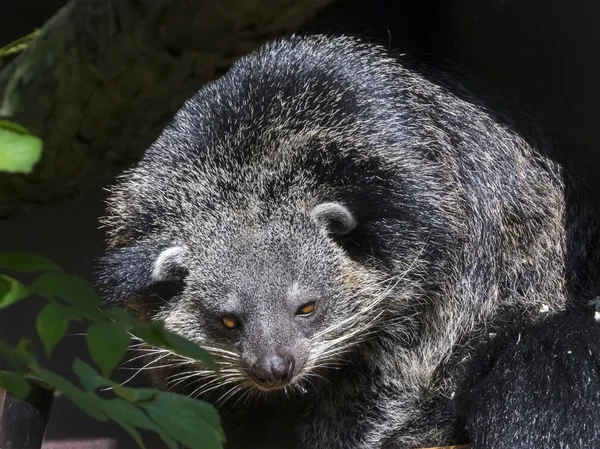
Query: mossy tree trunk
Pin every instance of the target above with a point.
(105, 76)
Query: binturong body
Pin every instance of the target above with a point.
(374, 260)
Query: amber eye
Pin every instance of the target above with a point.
(230, 322)
(306, 309)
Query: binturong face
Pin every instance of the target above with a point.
(269, 300)
(274, 301)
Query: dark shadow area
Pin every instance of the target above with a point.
(539, 55)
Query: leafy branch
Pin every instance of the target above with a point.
(18, 45)
(175, 418)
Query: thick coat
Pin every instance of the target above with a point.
(417, 227)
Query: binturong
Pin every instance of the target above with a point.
(375, 259)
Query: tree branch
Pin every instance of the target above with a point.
(105, 76)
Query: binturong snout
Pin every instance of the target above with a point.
(272, 371)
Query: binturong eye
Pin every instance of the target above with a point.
(230, 322)
(306, 309)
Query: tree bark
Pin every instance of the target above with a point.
(105, 76)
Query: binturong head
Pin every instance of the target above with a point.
(262, 294)
(273, 298)
(276, 217)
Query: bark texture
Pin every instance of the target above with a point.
(105, 76)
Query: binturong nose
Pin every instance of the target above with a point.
(273, 371)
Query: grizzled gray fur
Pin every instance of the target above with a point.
(347, 238)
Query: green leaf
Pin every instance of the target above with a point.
(19, 152)
(155, 334)
(144, 394)
(52, 324)
(151, 333)
(72, 289)
(24, 261)
(108, 343)
(194, 423)
(126, 393)
(120, 315)
(121, 415)
(15, 384)
(87, 401)
(130, 430)
(20, 358)
(88, 376)
(15, 127)
(17, 46)
(124, 412)
(187, 348)
(91, 380)
(11, 291)
(26, 346)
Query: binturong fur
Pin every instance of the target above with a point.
(375, 259)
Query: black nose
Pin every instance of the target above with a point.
(274, 370)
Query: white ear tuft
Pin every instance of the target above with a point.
(169, 264)
(336, 217)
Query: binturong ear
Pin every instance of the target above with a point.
(335, 217)
(125, 271)
(170, 265)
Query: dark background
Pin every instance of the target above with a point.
(542, 54)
